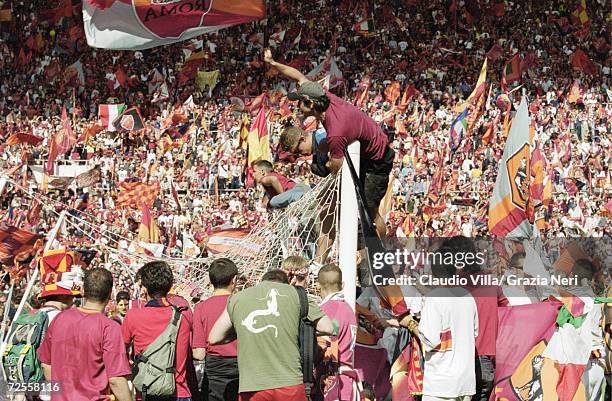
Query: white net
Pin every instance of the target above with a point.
(306, 228)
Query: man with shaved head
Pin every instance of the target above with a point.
(338, 350)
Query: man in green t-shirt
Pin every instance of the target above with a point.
(265, 318)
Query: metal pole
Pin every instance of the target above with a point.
(347, 239)
(34, 277)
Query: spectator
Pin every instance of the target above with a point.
(82, 350)
(221, 376)
(265, 319)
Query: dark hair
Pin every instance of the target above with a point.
(276, 275)
(453, 246)
(368, 391)
(98, 284)
(514, 260)
(330, 276)
(221, 272)
(157, 278)
(264, 165)
(122, 296)
(320, 104)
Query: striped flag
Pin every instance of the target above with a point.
(364, 27)
(107, 113)
(479, 89)
(509, 207)
(458, 129)
(137, 194)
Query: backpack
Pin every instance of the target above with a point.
(20, 362)
(308, 342)
(153, 372)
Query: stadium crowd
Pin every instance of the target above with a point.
(193, 142)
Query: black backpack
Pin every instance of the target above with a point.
(308, 342)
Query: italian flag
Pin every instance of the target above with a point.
(364, 27)
(107, 113)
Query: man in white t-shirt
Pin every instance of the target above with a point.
(448, 329)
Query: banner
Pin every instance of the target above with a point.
(143, 24)
(107, 113)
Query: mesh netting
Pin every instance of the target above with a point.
(306, 228)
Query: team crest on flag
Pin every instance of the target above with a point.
(518, 172)
(156, 16)
(127, 122)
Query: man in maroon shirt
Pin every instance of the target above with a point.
(141, 326)
(344, 124)
(221, 377)
(280, 190)
(83, 352)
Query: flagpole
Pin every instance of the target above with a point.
(28, 289)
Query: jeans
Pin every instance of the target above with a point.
(485, 377)
(286, 198)
(220, 381)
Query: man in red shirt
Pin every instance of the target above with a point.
(141, 326)
(221, 377)
(83, 352)
(344, 124)
(280, 190)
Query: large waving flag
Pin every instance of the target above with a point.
(509, 213)
(142, 24)
(148, 230)
(479, 90)
(107, 113)
(458, 129)
(61, 142)
(522, 372)
(258, 140)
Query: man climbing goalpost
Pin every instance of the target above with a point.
(344, 124)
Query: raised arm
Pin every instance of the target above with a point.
(286, 70)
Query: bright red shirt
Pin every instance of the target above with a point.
(141, 326)
(205, 315)
(346, 124)
(285, 183)
(84, 349)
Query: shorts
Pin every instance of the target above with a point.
(374, 177)
(293, 393)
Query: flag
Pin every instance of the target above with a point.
(479, 89)
(143, 24)
(297, 40)
(580, 61)
(74, 73)
(207, 79)
(156, 80)
(511, 72)
(190, 248)
(520, 364)
(162, 93)
(258, 140)
(89, 177)
(364, 27)
(575, 93)
(137, 194)
(129, 120)
(510, 202)
(62, 141)
(495, 52)
(497, 10)
(148, 230)
(458, 129)
(392, 92)
(278, 37)
(15, 241)
(580, 16)
(325, 68)
(63, 10)
(30, 139)
(107, 113)
(221, 241)
(6, 15)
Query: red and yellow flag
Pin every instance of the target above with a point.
(258, 140)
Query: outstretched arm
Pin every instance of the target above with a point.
(286, 70)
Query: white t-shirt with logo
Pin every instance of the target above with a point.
(448, 331)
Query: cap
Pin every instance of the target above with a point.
(309, 88)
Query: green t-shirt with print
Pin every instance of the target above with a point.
(266, 319)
